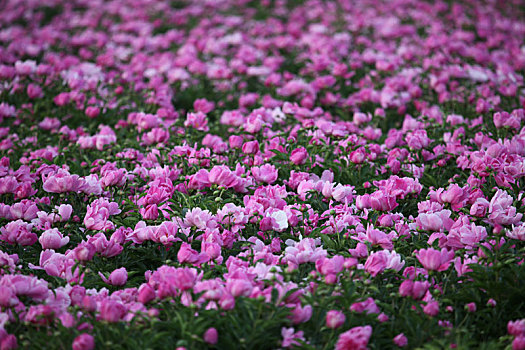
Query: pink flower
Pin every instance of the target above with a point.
(354, 339)
(379, 200)
(299, 155)
(239, 287)
(62, 99)
(280, 220)
(8, 297)
(330, 267)
(156, 136)
(145, 294)
(266, 224)
(471, 307)
(362, 118)
(454, 195)
(25, 67)
(113, 178)
(188, 255)
(369, 305)
(203, 105)
(502, 119)
(52, 239)
(479, 208)
(465, 234)
(342, 193)
(235, 141)
(6, 110)
(92, 111)
(18, 232)
(414, 289)
(250, 147)
(118, 277)
(211, 336)
(84, 251)
(64, 212)
(335, 319)
(517, 232)
(29, 286)
(501, 210)
(49, 123)
(358, 156)
(437, 221)
(25, 209)
(62, 181)
(112, 310)
(517, 344)
(215, 143)
(377, 262)
(516, 328)
(360, 251)
(435, 260)
(222, 175)
(98, 213)
(84, 342)
(199, 218)
(417, 139)
(377, 237)
(34, 91)
(197, 121)
(200, 180)
(185, 278)
(266, 173)
(253, 123)
(8, 342)
(290, 337)
(401, 340)
(301, 314)
(151, 212)
(8, 184)
(431, 308)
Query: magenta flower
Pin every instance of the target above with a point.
(118, 277)
(112, 310)
(98, 213)
(211, 336)
(330, 267)
(62, 181)
(197, 121)
(84, 342)
(401, 340)
(335, 319)
(18, 232)
(299, 155)
(250, 147)
(435, 260)
(52, 239)
(266, 173)
(377, 262)
(146, 294)
(92, 111)
(356, 339)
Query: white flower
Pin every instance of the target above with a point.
(281, 220)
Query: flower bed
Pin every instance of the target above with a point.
(262, 174)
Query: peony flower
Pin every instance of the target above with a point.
(354, 339)
(84, 342)
(335, 319)
(52, 239)
(435, 260)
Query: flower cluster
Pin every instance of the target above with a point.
(262, 174)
